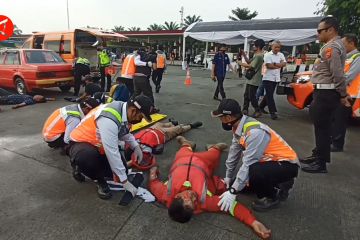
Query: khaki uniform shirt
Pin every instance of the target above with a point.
(330, 68)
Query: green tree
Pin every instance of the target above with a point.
(17, 31)
(171, 26)
(118, 29)
(242, 14)
(346, 11)
(191, 19)
(155, 27)
(134, 29)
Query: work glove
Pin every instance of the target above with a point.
(131, 188)
(138, 153)
(226, 200)
(149, 64)
(227, 182)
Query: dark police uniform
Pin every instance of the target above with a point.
(142, 76)
(221, 61)
(329, 83)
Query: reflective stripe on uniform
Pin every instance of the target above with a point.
(114, 112)
(232, 208)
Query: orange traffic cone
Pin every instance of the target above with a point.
(188, 80)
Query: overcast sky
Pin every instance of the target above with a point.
(50, 15)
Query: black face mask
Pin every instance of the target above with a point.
(228, 126)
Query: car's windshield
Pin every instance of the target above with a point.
(39, 57)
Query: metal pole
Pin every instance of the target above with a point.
(206, 51)
(182, 16)
(246, 46)
(67, 9)
(183, 50)
(293, 51)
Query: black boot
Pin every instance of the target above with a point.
(265, 204)
(310, 159)
(284, 189)
(195, 125)
(314, 167)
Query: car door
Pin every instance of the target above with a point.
(2, 58)
(10, 67)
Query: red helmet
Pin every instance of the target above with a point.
(148, 161)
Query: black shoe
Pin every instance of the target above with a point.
(314, 167)
(309, 159)
(273, 116)
(216, 98)
(77, 175)
(262, 110)
(245, 112)
(104, 191)
(336, 149)
(265, 204)
(173, 121)
(196, 124)
(284, 189)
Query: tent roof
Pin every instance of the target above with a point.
(290, 31)
(256, 24)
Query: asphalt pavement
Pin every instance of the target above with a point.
(39, 199)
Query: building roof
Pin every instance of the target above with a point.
(153, 33)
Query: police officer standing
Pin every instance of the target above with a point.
(329, 91)
(104, 61)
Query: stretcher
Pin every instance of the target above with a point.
(144, 124)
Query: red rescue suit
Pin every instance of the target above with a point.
(194, 171)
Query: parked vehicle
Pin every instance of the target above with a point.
(72, 44)
(26, 69)
(299, 91)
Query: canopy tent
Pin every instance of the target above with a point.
(290, 31)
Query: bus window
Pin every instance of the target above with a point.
(52, 45)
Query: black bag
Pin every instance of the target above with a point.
(250, 73)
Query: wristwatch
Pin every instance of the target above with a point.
(232, 190)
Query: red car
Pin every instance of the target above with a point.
(26, 69)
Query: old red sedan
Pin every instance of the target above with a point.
(26, 69)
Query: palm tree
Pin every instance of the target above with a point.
(155, 27)
(17, 31)
(118, 29)
(171, 26)
(134, 29)
(242, 14)
(191, 19)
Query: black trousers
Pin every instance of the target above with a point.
(322, 110)
(220, 87)
(59, 142)
(108, 80)
(89, 161)
(250, 96)
(268, 100)
(157, 76)
(80, 70)
(339, 124)
(264, 177)
(129, 82)
(142, 86)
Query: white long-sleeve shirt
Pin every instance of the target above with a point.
(108, 131)
(71, 123)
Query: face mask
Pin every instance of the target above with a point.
(228, 126)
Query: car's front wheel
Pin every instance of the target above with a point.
(65, 88)
(20, 86)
